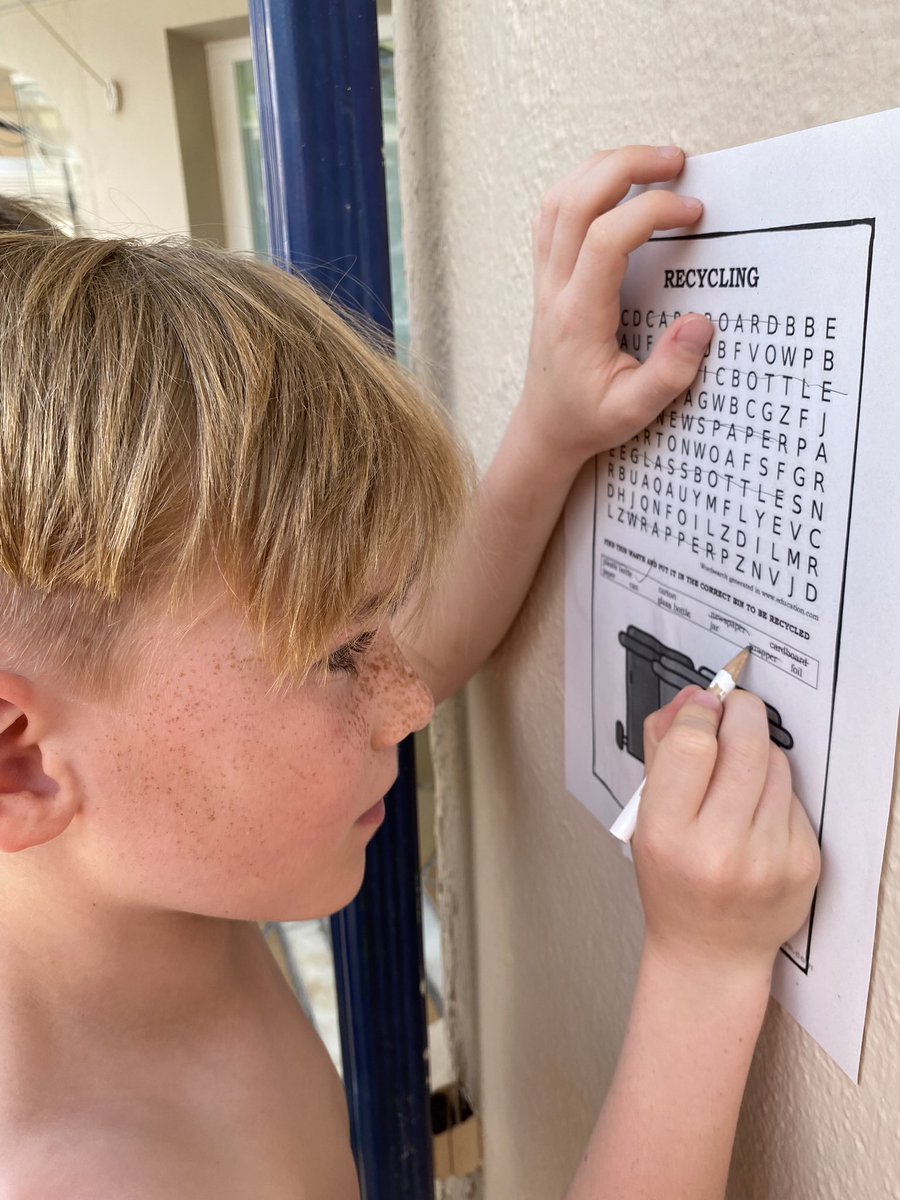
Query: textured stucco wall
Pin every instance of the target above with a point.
(497, 98)
(131, 179)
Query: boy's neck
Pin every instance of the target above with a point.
(84, 975)
(135, 1045)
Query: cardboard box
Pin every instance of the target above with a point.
(456, 1132)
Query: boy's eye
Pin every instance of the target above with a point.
(344, 658)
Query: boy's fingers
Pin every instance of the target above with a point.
(597, 191)
(544, 223)
(772, 815)
(684, 761)
(806, 856)
(742, 764)
(641, 392)
(658, 724)
(602, 257)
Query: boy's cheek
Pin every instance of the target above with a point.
(280, 861)
(233, 819)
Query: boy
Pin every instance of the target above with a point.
(221, 520)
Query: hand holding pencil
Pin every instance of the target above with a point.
(722, 685)
(726, 864)
(725, 855)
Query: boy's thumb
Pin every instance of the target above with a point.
(658, 724)
(692, 336)
(685, 758)
(672, 366)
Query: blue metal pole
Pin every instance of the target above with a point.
(318, 89)
(319, 95)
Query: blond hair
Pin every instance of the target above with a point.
(166, 407)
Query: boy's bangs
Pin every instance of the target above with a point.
(167, 407)
(346, 487)
(352, 538)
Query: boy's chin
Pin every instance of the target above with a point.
(331, 900)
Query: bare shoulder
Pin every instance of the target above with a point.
(265, 1119)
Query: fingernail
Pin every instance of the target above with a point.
(707, 700)
(694, 334)
(691, 202)
(668, 151)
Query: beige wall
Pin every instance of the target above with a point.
(131, 179)
(497, 98)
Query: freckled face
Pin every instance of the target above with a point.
(206, 792)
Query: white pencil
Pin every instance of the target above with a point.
(722, 684)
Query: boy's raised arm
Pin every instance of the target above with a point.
(582, 394)
(725, 856)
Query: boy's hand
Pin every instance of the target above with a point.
(582, 393)
(726, 859)
(726, 862)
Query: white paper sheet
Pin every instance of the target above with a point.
(762, 509)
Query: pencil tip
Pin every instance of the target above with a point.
(738, 663)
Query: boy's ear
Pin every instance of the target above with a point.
(33, 807)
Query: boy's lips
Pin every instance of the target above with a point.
(372, 816)
(375, 814)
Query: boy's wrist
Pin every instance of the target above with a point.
(546, 444)
(709, 981)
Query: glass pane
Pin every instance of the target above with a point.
(249, 122)
(37, 160)
(392, 180)
(303, 951)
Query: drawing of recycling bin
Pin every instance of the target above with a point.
(654, 674)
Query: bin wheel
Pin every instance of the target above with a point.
(620, 735)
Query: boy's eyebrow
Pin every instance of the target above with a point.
(375, 604)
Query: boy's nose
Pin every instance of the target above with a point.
(403, 702)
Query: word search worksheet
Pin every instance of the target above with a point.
(760, 509)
